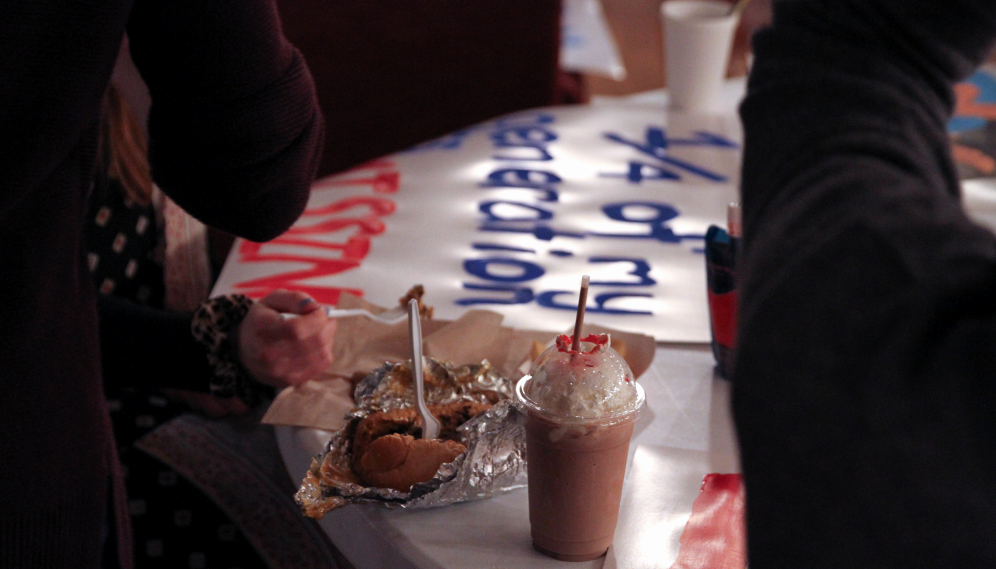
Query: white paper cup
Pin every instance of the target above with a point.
(698, 37)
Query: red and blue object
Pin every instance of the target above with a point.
(721, 280)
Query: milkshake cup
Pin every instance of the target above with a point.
(579, 408)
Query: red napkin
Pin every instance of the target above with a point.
(714, 535)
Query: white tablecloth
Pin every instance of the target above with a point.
(684, 434)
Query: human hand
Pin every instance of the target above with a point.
(756, 15)
(281, 351)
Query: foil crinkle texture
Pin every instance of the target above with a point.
(494, 461)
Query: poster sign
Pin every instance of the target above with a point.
(507, 215)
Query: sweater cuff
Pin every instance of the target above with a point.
(213, 326)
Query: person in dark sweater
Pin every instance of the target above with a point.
(864, 391)
(153, 368)
(235, 131)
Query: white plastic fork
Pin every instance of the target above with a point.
(389, 317)
(430, 426)
(392, 316)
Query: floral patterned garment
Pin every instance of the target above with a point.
(174, 524)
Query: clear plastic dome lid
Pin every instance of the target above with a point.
(592, 382)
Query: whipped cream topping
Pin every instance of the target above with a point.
(590, 383)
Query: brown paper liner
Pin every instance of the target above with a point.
(362, 345)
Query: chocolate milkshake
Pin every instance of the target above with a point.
(579, 407)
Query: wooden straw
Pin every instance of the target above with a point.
(582, 300)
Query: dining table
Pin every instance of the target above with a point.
(684, 433)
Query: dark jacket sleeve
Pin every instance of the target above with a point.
(150, 348)
(235, 128)
(864, 395)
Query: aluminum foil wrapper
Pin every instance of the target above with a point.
(494, 461)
